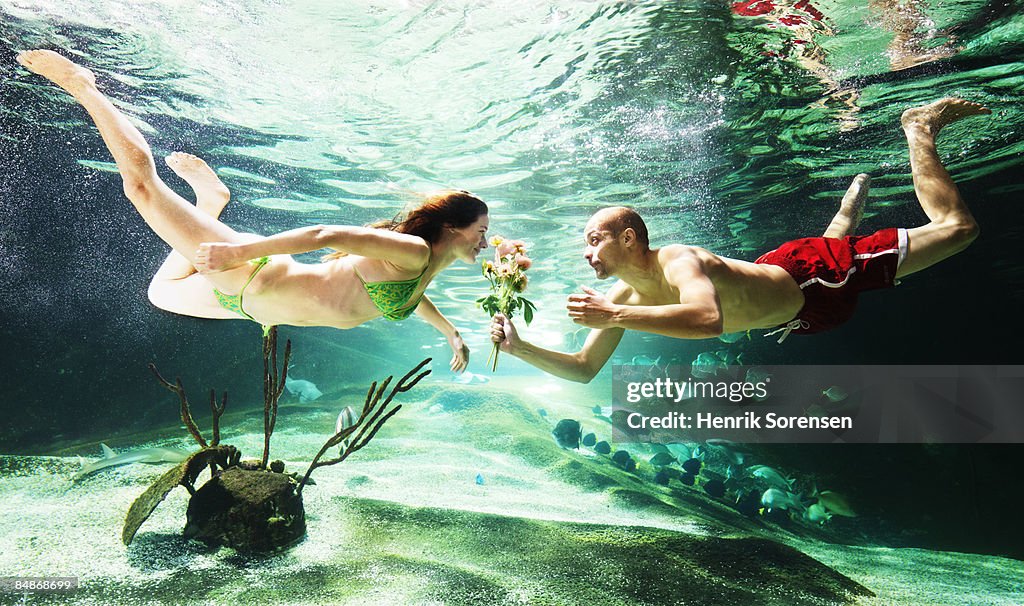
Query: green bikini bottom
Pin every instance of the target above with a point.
(233, 303)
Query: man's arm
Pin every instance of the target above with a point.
(698, 315)
(581, 366)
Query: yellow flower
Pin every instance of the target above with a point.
(497, 240)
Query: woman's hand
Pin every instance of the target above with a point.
(212, 257)
(460, 359)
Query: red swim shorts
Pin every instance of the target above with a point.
(831, 272)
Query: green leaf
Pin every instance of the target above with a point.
(528, 314)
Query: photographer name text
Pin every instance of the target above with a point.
(747, 420)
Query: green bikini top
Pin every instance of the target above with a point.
(392, 297)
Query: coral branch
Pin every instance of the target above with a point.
(273, 386)
(373, 416)
(186, 412)
(217, 412)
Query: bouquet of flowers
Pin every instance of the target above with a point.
(507, 275)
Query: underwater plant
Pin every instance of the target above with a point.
(254, 505)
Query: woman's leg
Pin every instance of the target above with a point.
(176, 287)
(211, 198)
(178, 223)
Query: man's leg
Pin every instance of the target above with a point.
(851, 209)
(951, 227)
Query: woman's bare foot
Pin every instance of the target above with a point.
(211, 193)
(932, 117)
(58, 69)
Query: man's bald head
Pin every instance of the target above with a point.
(618, 219)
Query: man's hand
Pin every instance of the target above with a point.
(212, 257)
(592, 309)
(502, 331)
(460, 357)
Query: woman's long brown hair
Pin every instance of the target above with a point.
(451, 208)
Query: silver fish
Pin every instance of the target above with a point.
(772, 477)
(836, 504)
(835, 393)
(346, 418)
(773, 498)
(817, 513)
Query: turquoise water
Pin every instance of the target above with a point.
(729, 131)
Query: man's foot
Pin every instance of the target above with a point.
(932, 117)
(851, 209)
(852, 205)
(58, 69)
(211, 193)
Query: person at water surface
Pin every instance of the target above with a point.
(377, 271)
(803, 286)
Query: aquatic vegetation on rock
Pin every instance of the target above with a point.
(253, 505)
(247, 509)
(184, 474)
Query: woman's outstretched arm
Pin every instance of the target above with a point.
(460, 352)
(403, 250)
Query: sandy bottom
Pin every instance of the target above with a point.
(429, 457)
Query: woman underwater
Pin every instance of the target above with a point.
(379, 272)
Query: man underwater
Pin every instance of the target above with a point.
(804, 286)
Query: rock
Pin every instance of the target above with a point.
(250, 511)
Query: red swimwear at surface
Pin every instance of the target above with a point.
(831, 272)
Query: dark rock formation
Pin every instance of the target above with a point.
(250, 511)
